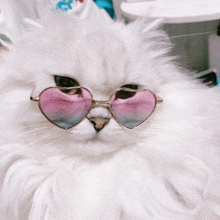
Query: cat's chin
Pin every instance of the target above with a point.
(95, 144)
(91, 146)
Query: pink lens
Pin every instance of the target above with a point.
(131, 111)
(65, 107)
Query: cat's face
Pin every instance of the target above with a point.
(102, 61)
(157, 160)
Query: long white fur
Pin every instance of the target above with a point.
(165, 169)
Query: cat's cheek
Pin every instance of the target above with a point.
(115, 134)
(82, 131)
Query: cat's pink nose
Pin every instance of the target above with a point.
(99, 123)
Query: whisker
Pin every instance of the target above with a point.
(34, 130)
(36, 125)
(39, 139)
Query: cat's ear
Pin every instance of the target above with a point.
(11, 20)
(146, 27)
(18, 18)
(5, 42)
(9, 37)
(151, 25)
(151, 35)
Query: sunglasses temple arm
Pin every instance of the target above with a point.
(159, 100)
(36, 99)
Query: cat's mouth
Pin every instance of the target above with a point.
(97, 137)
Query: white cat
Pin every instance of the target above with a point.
(167, 168)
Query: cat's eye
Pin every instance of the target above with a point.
(64, 81)
(123, 94)
(71, 91)
(130, 86)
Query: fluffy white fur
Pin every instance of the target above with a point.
(168, 168)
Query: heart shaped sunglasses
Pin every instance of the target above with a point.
(67, 107)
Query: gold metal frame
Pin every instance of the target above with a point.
(96, 103)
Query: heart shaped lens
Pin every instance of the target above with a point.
(131, 108)
(65, 107)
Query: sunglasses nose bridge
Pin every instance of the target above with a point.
(104, 104)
